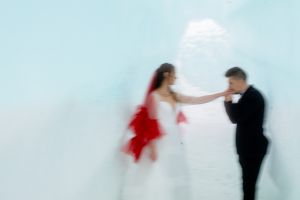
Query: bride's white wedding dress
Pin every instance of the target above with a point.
(167, 177)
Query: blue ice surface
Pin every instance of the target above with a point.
(71, 72)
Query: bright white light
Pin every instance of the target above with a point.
(201, 37)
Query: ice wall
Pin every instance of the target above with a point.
(72, 72)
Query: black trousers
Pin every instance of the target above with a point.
(250, 171)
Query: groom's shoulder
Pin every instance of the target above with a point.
(255, 93)
(253, 90)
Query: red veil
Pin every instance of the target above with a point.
(145, 127)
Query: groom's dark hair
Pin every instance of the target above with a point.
(237, 73)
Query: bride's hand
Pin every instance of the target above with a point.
(153, 153)
(227, 93)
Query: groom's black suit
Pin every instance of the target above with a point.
(251, 144)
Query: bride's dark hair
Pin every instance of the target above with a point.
(159, 77)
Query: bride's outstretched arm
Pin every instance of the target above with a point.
(201, 99)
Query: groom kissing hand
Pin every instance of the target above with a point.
(248, 115)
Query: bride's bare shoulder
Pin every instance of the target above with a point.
(154, 93)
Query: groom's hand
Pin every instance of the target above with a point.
(228, 96)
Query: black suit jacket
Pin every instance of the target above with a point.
(248, 114)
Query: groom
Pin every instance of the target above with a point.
(248, 114)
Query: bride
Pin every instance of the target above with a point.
(160, 170)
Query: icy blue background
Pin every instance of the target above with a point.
(71, 73)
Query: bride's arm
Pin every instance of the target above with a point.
(199, 100)
(152, 111)
(151, 104)
(153, 151)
